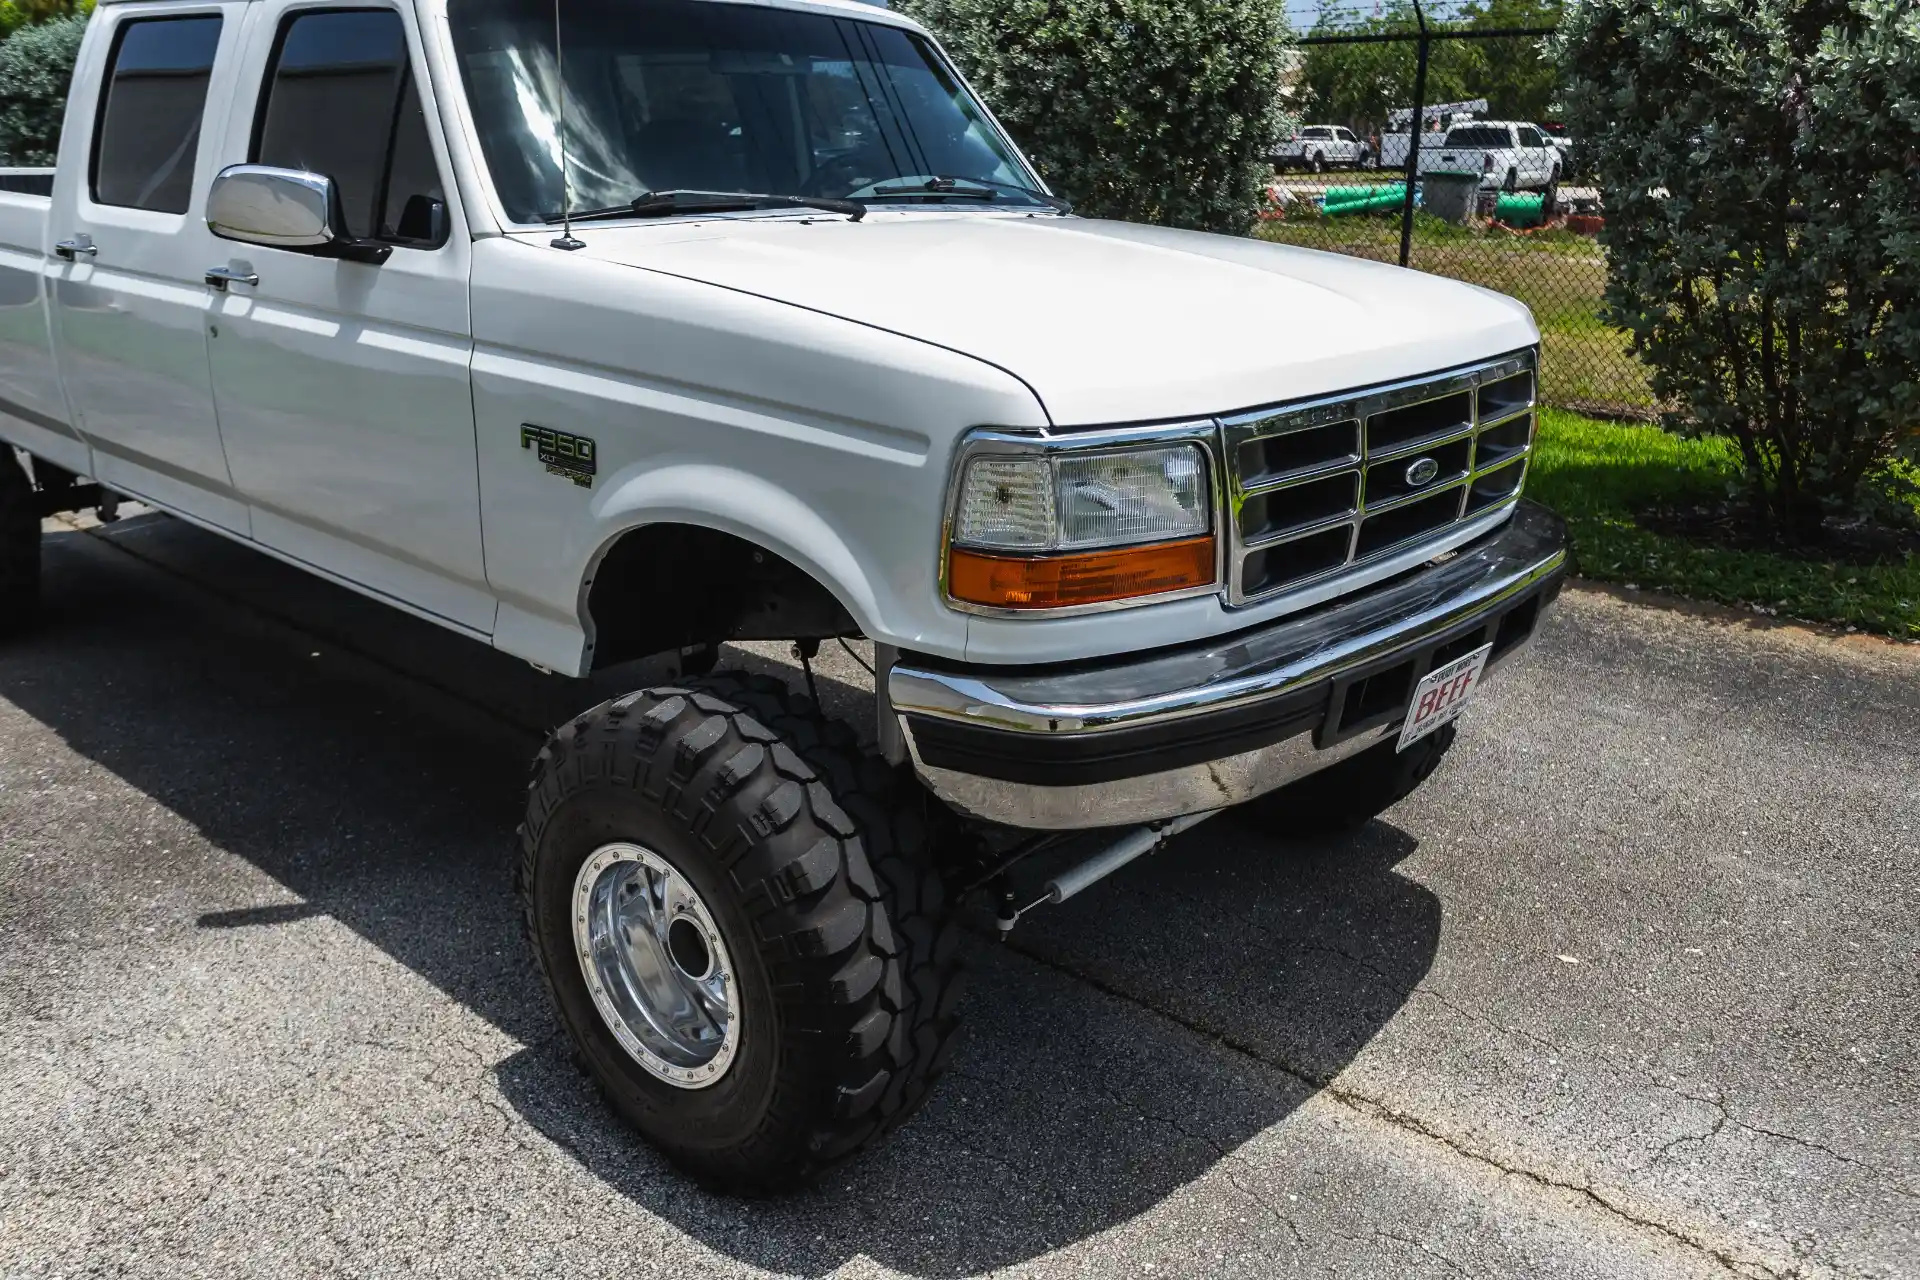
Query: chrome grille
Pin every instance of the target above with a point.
(1355, 485)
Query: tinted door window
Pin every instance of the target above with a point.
(149, 129)
(341, 101)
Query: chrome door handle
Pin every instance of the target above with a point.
(221, 277)
(72, 249)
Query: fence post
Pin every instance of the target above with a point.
(1415, 127)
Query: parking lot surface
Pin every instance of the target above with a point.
(1631, 988)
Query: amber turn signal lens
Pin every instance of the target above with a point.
(1089, 577)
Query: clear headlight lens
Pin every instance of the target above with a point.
(1074, 502)
(1007, 503)
(1082, 529)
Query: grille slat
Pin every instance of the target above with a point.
(1418, 458)
(1299, 453)
(1273, 513)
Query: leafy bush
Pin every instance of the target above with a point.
(1760, 164)
(36, 65)
(15, 14)
(1147, 110)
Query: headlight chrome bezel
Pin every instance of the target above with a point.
(1201, 434)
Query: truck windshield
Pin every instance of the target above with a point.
(693, 95)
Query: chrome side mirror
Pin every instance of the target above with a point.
(284, 209)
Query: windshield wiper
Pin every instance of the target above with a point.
(974, 189)
(656, 204)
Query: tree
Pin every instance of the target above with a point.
(1359, 84)
(1760, 166)
(36, 65)
(15, 14)
(1148, 110)
(1516, 75)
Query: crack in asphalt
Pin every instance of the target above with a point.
(1373, 1108)
(1230, 1160)
(1724, 1117)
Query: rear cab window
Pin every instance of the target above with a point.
(155, 94)
(339, 99)
(1479, 136)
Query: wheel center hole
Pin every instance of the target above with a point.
(688, 947)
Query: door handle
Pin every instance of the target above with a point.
(221, 277)
(72, 249)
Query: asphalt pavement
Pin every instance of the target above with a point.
(1631, 988)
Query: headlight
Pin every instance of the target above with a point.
(1074, 529)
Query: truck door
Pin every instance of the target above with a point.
(129, 299)
(343, 386)
(1537, 156)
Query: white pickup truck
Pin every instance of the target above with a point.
(1319, 147)
(1510, 155)
(1142, 524)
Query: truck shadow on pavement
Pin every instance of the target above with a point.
(1126, 1044)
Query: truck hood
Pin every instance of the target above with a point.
(1107, 322)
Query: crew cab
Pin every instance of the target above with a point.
(1509, 155)
(637, 327)
(1321, 146)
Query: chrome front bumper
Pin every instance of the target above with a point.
(1184, 731)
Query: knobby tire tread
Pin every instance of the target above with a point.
(837, 874)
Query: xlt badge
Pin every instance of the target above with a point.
(574, 457)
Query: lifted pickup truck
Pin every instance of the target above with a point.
(1142, 524)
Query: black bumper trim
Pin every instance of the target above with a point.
(1334, 710)
(1346, 703)
(1068, 760)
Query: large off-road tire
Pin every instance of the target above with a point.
(821, 885)
(1351, 794)
(19, 547)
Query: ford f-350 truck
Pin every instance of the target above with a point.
(636, 328)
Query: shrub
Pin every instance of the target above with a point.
(1147, 110)
(36, 65)
(1760, 163)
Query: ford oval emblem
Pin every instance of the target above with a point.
(1422, 472)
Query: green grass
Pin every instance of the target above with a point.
(1557, 274)
(1599, 474)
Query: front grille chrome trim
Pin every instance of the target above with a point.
(1296, 532)
(1418, 495)
(1302, 475)
(1423, 444)
(1505, 418)
(1240, 430)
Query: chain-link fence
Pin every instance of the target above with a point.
(1457, 103)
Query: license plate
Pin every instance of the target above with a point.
(1443, 695)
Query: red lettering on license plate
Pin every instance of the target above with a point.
(1441, 695)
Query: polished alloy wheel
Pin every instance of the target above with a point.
(656, 966)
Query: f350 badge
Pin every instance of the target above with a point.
(571, 457)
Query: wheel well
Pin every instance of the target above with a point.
(666, 587)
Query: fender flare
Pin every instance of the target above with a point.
(739, 503)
